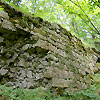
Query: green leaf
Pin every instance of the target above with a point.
(1, 8)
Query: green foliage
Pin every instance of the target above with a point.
(96, 78)
(1, 8)
(42, 94)
(93, 43)
(16, 2)
(88, 94)
(24, 94)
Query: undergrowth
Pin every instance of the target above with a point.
(43, 94)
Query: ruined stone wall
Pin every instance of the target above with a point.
(36, 53)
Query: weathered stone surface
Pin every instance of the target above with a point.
(36, 53)
(51, 72)
(60, 83)
(4, 14)
(7, 25)
(3, 72)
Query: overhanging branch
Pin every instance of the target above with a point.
(86, 16)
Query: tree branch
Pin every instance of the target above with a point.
(86, 16)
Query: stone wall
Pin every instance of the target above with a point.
(36, 53)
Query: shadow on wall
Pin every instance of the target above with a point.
(98, 61)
